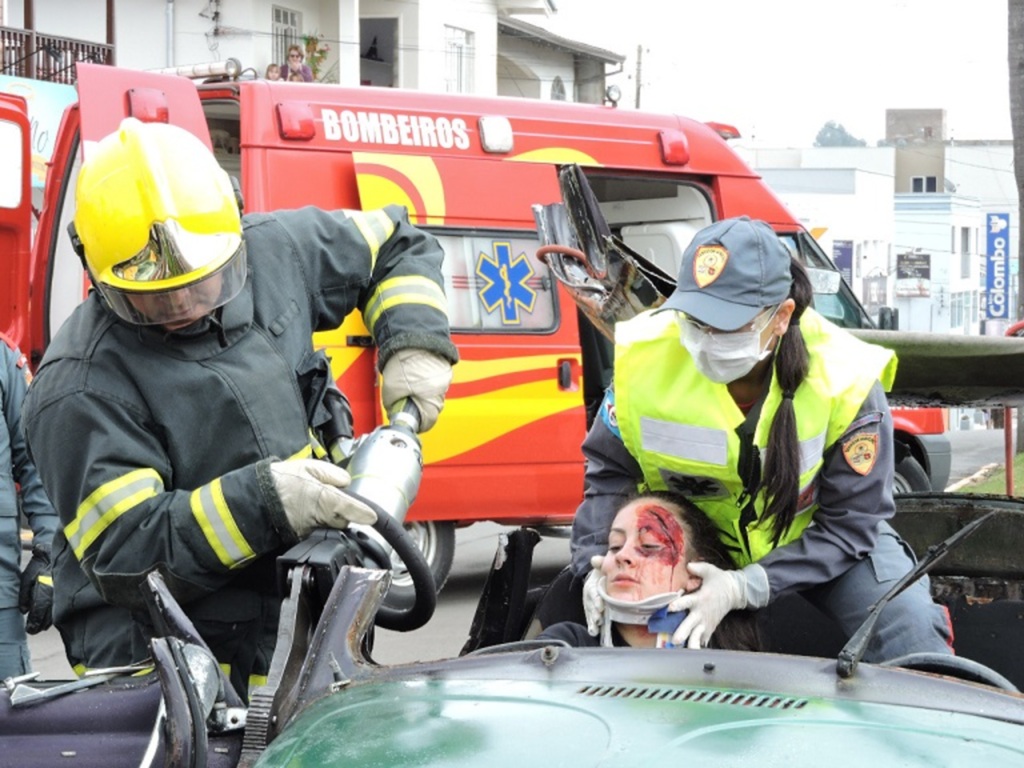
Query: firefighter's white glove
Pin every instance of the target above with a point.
(593, 603)
(309, 492)
(720, 592)
(416, 375)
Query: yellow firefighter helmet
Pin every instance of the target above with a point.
(159, 225)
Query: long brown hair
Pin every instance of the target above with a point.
(781, 473)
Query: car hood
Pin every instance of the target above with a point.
(575, 707)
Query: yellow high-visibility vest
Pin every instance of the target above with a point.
(681, 426)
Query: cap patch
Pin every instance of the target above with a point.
(861, 452)
(708, 263)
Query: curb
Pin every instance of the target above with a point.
(981, 474)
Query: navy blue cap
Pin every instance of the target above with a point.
(731, 270)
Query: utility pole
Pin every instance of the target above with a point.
(639, 60)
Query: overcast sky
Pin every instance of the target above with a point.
(779, 69)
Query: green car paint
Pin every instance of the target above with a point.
(476, 722)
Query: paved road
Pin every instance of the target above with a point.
(446, 633)
(974, 449)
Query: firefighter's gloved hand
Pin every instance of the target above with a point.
(420, 376)
(35, 598)
(720, 592)
(593, 603)
(310, 493)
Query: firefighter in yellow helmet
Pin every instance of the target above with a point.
(191, 384)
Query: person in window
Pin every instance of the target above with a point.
(657, 545)
(296, 64)
(191, 385)
(774, 422)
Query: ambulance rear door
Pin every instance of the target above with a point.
(106, 96)
(15, 214)
(507, 446)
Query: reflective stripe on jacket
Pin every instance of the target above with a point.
(681, 426)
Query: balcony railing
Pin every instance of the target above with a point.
(47, 57)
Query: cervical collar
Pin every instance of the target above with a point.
(629, 611)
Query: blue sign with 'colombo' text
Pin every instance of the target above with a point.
(997, 278)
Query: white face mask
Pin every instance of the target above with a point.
(725, 356)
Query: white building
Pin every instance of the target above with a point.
(466, 46)
(912, 215)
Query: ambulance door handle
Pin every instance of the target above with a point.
(566, 379)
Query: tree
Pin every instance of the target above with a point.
(1015, 62)
(833, 134)
(1015, 56)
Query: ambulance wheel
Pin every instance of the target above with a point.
(910, 477)
(436, 541)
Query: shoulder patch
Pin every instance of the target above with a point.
(861, 451)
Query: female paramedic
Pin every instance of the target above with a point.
(739, 396)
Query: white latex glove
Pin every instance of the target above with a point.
(308, 489)
(720, 592)
(593, 604)
(420, 376)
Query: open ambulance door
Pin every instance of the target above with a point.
(15, 214)
(106, 95)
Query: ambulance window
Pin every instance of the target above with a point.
(495, 283)
(657, 218)
(222, 118)
(841, 307)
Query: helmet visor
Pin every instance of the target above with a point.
(176, 305)
(172, 257)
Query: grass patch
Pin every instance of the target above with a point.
(994, 481)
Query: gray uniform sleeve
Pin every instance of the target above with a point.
(850, 508)
(611, 476)
(40, 514)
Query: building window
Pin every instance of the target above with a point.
(924, 184)
(957, 308)
(965, 251)
(458, 60)
(286, 28)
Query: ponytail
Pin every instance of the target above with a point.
(781, 473)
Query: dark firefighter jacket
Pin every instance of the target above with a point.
(155, 447)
